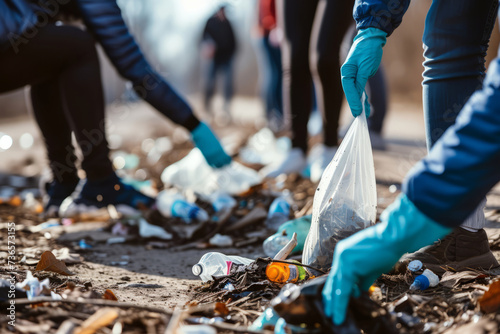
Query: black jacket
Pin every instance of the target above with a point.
(20, 19)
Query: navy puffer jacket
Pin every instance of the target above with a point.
(20, 19)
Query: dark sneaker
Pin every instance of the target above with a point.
(99, 194)
(460, 250)
(56, 193)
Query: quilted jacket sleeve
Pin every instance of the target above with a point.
(104, 20)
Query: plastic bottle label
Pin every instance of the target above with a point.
(294, 274)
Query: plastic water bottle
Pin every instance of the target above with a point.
(217, 264)
(276, 242)
(221, 200)
(424, 281)
(171, 203)
(278, 272)
(279, 213)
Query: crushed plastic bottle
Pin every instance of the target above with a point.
(171, 203)
(221, 201)
(278, 272)
(424, 281)
(279, 213)
(216, 264)
(276, 242)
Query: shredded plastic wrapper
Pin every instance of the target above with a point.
(346, 198)
(193, 173)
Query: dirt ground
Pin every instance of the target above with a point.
(137, 272)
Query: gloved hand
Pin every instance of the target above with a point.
(360, 259)
(362, 63)
(209, 145)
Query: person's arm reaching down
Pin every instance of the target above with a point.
(104, 20)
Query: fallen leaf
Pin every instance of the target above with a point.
(221, 309)
(48, 262)
(102, 318)
(451, 279)
(109, 295)
(490, 301)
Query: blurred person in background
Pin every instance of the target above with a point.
(61, 65)
(313, 34)
(219, 47)
(270, 38)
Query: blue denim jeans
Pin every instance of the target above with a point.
(226, 69)
(456, 38)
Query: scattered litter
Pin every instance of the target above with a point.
(120, 229)
(221, 240)
(276, 242)
(83, 244)
(264, 149)
(118, 263)
(147, 230)
(285, 273)
(34, 288)
(279, 213)
(116, 240)
(222, 201)
(193, 173)
(427, 280)
(65, 255)
(415, 265)
(171, 203)
(198, 329)
(217, 264)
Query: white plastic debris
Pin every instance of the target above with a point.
(34, 288)
(147, 230)
(263, 148)
(193, 173)
(221, 240)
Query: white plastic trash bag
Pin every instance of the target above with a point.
(346, 198)
(193, 173)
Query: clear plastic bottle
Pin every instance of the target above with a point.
(278, 272)
(276, 242)
(171, 203)
(424, 281)
(221, 200)
(217, 264)
(279, 213)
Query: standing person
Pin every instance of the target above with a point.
(219, 44)
(270, 36)
(313, 33)
(61, 65)
(456, 39)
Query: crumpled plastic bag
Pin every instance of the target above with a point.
(346, 198)
(193, 173)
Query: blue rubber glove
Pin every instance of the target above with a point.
(209, 145)
(362, 63)
(360, 259)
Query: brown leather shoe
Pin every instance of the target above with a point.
(460, 250)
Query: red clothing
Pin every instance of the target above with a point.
(267, 15)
